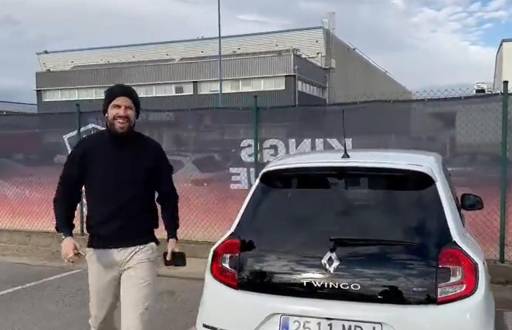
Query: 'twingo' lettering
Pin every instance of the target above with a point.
(332, 285)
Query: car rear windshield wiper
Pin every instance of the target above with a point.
(344, 241)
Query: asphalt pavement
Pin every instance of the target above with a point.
(56, 298)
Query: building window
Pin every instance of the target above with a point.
(51, 95)
(85, 93)
(145, 91)
(179, 89)
(173, 89)
(99, 93)
(273, 83)
(231, 86)
(247, 85)
(163, 90)
(204, 87)
(188, 89)
(73, 94)
(242, 85)
(234, 86)
(68, 94)
(311, 89)
(208, 87)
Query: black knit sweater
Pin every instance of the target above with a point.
(121, 175)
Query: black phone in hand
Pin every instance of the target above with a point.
(178, 259)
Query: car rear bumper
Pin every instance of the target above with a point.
(224, 308)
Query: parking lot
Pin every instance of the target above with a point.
(54, 298)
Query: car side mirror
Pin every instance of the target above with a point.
(471, 202)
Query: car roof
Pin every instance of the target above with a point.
(388, 157)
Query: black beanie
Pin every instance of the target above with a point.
(118, 90)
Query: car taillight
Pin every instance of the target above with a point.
(457, 275)
(225, 258)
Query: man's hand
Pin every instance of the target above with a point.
(70, 250)
(171, 246)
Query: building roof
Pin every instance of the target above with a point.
(309, 41)
(502, 42)
(9, 106)
(178, 41)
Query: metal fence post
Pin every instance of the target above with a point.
(79, 137)
(504, 171)
(256, 124)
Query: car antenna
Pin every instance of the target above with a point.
(345, 152)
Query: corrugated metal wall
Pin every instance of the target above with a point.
(356, 79)
(311, 72)
(308, 99)
(269, 65)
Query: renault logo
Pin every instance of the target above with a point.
(330, 261)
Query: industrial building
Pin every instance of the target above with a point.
(503, 65)
(307, 66)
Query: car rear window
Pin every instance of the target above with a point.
(300, 209)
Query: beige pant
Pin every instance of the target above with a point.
(126, 276)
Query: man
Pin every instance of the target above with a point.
(121, 170)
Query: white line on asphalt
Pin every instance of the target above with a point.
(28, 285)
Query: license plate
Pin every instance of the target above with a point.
(308, 323)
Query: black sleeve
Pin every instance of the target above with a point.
(69, 191)
(167, 195)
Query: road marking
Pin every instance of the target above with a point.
(28, 285)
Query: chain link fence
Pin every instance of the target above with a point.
(213, 154)
(32, 152)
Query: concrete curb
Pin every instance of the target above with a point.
(43, 249)
(193, 271)
(500, 273)
(27, 243)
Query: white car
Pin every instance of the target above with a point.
(371, 242)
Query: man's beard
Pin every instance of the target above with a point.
(120, 128)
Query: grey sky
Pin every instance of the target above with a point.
(421, 43)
